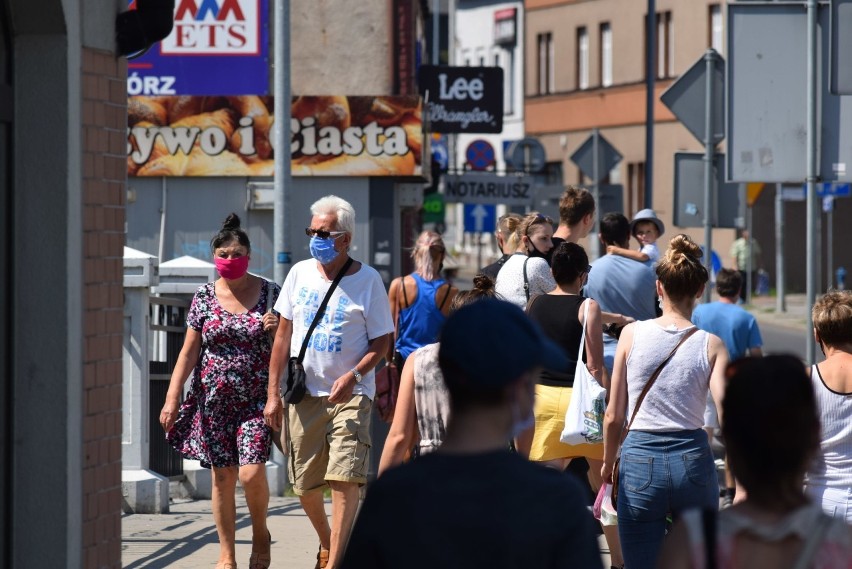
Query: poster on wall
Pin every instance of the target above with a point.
(233, 136)
(217, 47)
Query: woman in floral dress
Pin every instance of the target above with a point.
(230, 326)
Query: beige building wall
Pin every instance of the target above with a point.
(565, 117)
(322, 30)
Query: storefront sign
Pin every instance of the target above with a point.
(463, 99)
(505, 26)
(487, 188)
(233, 136)
(217, 47)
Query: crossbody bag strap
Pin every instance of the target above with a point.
(321, 309)
(656, 374)
(526, 280)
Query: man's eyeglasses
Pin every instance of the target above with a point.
(322, 233)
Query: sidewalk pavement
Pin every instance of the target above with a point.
(765, 310)
(186, 537)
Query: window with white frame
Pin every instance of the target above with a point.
(582, 58)
(504, 58)
(546, 77)
(606, 54)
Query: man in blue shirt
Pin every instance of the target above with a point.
(738, 329)
(620, 285)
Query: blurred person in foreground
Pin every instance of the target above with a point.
(423, 407)
(829, 479)
(666, 462)
(472, 503)
(771, 428)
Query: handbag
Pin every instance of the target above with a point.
(296, 385)
(639, 401)
(387, 390)
(584, 417)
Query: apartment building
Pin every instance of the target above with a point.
(585, 68)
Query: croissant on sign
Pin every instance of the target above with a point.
(383, 110)
(151, 110)
(196, 164)
(361, 165)
(414, 134)
(254, 108)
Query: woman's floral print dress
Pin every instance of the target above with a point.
(221, 421)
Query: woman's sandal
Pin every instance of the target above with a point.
(322, 558)
(261, 560)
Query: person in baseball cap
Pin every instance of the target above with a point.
(484, 505)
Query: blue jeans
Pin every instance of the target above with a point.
(660, 473)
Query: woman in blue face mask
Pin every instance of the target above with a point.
(230, 326)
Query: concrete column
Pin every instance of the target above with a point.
(143, 491)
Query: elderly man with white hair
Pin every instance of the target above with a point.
(330, 426)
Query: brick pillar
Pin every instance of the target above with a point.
(104, 147)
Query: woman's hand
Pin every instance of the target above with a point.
(606, 473)
(168, 415)
(270, 323)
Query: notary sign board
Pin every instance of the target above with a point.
(487, 188)
(463, 99)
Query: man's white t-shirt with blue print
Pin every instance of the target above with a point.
(357, 312)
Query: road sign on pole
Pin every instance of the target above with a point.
(479, 218)
(527, 155)
(727, 210)
(687, 98)
(607, 157)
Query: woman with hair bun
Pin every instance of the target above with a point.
(423, 405)
(666, 462)
(420, 302)
(526, 274)
(230, 327)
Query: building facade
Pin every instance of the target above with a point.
(585, 68)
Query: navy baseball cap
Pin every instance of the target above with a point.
(493, 342)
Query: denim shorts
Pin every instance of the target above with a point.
(659, 474)
(836, 502)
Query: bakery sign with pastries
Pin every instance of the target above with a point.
(233, 136)
(216, 47)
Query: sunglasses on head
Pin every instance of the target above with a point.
(322, 233)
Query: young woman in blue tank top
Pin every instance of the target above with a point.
(420, 301)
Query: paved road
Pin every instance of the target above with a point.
(783, 340)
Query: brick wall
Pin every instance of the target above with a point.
(104, 146)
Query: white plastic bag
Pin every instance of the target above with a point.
(584, 418)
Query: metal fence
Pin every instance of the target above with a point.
(168, 327)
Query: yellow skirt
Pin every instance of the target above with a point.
(551, 403)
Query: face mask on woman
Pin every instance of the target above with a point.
(232, 269)
(323, 249)
(536, 253)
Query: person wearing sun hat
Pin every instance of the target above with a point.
(476, 503)
(646, 228)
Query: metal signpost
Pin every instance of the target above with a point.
(697, 100)
(282, 179)
(595, 158)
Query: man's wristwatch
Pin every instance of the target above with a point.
(357, 375)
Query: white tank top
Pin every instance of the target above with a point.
(678, 397)
(833, 465)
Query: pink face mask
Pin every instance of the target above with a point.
(232, 269)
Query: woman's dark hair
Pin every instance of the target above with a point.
(680, 271)
(231, 231)
(483, 287)
(569, 261)
(770, 424)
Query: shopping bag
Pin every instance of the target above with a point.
(603, 509)
(584, 418)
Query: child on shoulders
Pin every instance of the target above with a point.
(646, 227)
